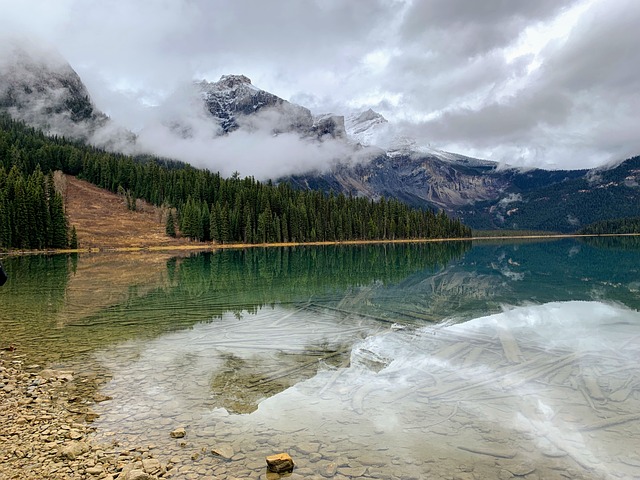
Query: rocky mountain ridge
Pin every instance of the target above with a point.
(43, 90)
(233, 101)
(48, 93)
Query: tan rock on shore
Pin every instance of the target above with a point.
(41, 436)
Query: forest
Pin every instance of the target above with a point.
(207, 207)
(618, 226)
(32, 212)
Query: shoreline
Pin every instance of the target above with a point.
(230, 246)
(45, 427)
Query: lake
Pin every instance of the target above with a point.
(496, 359)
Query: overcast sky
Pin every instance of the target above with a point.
(549, 83)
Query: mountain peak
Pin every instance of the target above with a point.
(233, 81)
(41, 88)
(368, 116)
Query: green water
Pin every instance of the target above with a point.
(280, 348)
(395, 283)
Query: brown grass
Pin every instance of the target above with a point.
(103, 222)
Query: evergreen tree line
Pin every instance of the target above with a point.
(619, 225)
(209, 207)
(31, 211)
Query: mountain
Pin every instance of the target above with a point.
(44, 91)
(565, 205)
(486, 197)
(234, 102)
(365, 126)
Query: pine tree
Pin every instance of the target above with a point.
(170, 228)
(73, 243)
(58, 223)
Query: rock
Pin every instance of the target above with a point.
(314, 457)
(308, 448)
(151, 465)
(224, 451)
(98, 397)
(50, 374)
(97, 470)
(280, 463)
(73, 450)
(90, 415)
(372, 460)
(179, 432)
(521, 469)
(138, 475)
(353, 471)
(329, 469)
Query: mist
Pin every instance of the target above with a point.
(177, 126)
(181, 128)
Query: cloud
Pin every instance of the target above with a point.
(459, 28)
(181, 128)
(250, 153)
(576, 108)
(547, 83)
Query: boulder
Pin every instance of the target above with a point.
(179, 432)
(280, 463)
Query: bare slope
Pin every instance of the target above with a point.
(102, 220)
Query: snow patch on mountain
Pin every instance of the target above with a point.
(370, 128)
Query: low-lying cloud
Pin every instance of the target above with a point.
(263, 146)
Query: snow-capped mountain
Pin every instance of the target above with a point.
(366, 127)
(234, 102)
(369, 128)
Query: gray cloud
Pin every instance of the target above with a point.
(443, 71)
(463, 28)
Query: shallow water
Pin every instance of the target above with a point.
(387, 362)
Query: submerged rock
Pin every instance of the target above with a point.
(51, 375)
(224, 451)
(329, 469)
(280, 463)
(179, 432)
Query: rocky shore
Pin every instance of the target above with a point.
(46, 432)
(45, 429)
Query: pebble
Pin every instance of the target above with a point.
(179, 432)
(44, 434)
